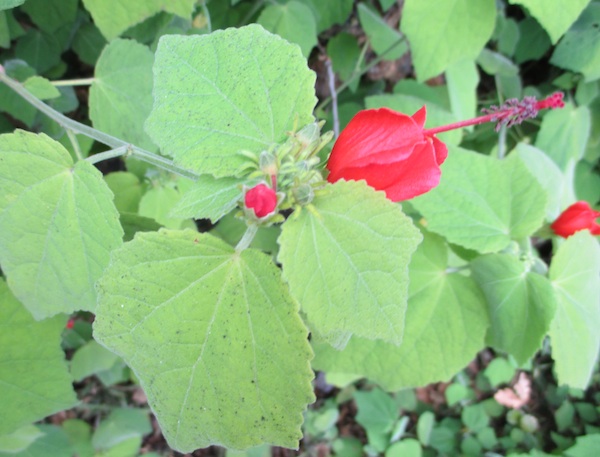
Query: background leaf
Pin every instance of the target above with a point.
(12, 103)
(213, 336)
(482, 203)
(121, 425)
(564, 134)
(293, 21)
(521, 304)
(209, 198)
(218, 94)
(442, 33)
(462, 79)
(329, 13)
(579, 50)
(41, 88)
(40, 50)
(381, 36)
(33, 372)
(49, 16)
(58, 225)
(446, 321)
(113, 17)
(347, 264)
(557, 20)
(54, 441)
(548, 175)
(7, 4)
(121, 94)
(162, 196)
(91, 358)
(574, 332)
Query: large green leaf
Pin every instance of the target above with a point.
(232, 90)
(556, 20)
(521, 303)
(212, 335)
(445, 327)
(113, 17)
(58, 225)
(293, 21)
(33, 372)
(564, 134)
(574, 332)
(482, 203)
(121, 94)
(442, 33)
(347, 264)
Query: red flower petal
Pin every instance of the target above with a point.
(578, 216)
(390, 152)
(420, 116)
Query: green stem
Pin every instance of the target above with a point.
(502, 142)
(111, 154)
(105, 138)
(74, 143)
(350, 80)
(73, 82)
(207, 15)
(247, 238)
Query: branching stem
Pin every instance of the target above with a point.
(102, 137)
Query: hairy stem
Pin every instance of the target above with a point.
(73, 82)
(111, 154)
(247, 238)
(74, 143)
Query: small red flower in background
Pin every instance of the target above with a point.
(394, 153)
(390, 152)
(70, 324)
(261, 199)
(578, 216)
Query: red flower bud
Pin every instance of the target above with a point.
(70, 324)
(261, 199)
(390, 151)
(578, 216)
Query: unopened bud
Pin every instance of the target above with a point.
(261, 199)
(267, 163)
(303, 194)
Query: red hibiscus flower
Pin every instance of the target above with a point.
(394, 153)
(578, 216)
(390, 151)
